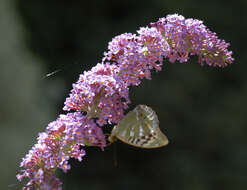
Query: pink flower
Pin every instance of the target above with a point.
(190, 37)
(62, 140)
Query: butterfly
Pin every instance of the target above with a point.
(140, 128)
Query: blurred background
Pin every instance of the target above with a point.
(201, 109)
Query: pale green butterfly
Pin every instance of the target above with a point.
(140, 128)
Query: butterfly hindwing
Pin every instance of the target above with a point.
(140, 128)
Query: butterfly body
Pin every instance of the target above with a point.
(140, 128)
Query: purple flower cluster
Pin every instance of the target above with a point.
(190, 37)
(61, 141)
(101, 95)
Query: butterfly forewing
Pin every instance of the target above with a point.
(140, 128)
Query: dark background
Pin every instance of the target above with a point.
(202, 110)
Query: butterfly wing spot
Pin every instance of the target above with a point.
(142, 140)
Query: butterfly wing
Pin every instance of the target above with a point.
(140, 128)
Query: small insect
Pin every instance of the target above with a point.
(140, 128)
(52, 73)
